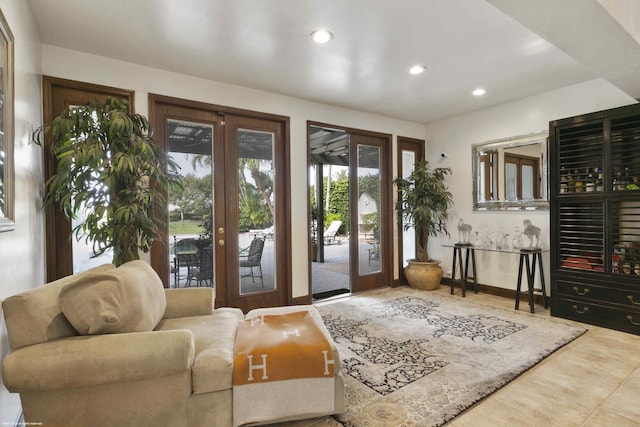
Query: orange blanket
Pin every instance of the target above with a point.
(283, 368)
(281, 347)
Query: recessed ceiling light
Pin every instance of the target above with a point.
(479, 92)
(322, 36)
(417, 69)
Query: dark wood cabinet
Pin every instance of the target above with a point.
(595, 218)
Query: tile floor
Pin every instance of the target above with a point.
(593, 381)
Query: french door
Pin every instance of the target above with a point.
(67, 255)
(227, 224)
(356, 193)
(369, 199)
(410, 151)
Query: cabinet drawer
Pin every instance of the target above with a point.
(627, 320)
(599, 293)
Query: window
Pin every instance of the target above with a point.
(522, 175)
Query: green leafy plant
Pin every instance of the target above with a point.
(110, 170)
(423, 204)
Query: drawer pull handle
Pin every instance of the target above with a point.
(630, 317)
(583, 311)
(630, 298)
(577, 291)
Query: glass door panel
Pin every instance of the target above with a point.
(191, 249)
(256, 211)
(82, 250)
(511, 181)
(369, 204)
(527, 182)
(409, 160)
(369, 209)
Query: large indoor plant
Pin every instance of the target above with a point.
(423, 203)
(110, 170)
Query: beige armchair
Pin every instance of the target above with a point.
(91, 350)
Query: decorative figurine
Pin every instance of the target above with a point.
(517, 241)
(531, 231)
(464, 232)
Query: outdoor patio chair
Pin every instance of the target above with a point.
(185, 255)
(331, 233)
(251, 257)
(203, 272)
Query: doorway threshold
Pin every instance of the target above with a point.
(330, 294)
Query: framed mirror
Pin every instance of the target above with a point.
(511, 173)
(6, 127)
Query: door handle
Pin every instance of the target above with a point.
(220, 230)
(220, 242)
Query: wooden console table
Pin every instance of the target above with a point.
(530, 258)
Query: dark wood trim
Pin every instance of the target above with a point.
(159, 113)
(387, 207)
(303, 300)
(496, 291)
(396, 283)
(284, 171)
(418, 147)
(286, 140)
(385, 275)
(350, 130)
(57, 227)
(215, 108)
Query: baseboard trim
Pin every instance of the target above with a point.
(304, 300)
(499, 292)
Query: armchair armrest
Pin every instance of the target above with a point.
(188, 302)
(98, 359)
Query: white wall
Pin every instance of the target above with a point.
(455, 136)
(22, 250)
(75, 65)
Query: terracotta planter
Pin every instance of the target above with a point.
(424, 275)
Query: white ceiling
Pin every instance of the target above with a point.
(512, 48)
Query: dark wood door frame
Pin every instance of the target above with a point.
(372, 280)
(418, 147)
(57, 95)
(161, 112)
(387, 209)
(159, 251)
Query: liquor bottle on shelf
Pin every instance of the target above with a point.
(570, 183)
(563, 180)
(590, 183)
(599, 180)
(578, 183)
(617, 180)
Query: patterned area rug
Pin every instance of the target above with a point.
(417, 358)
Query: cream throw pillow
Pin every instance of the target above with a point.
(129, 298)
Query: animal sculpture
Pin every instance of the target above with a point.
(464, 231)
(531, 231)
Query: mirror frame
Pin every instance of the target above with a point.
(542, 138)
(7, 220)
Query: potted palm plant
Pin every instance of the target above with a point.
(423, 203)
(111, 172)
